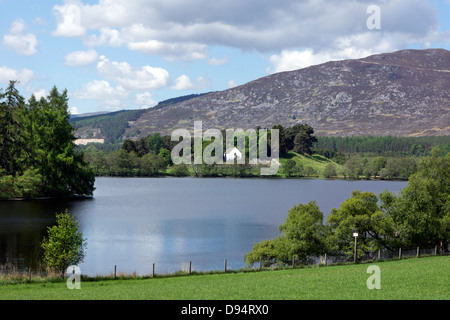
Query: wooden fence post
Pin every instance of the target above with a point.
(400, 253)
(115, 270)
(379, 254)
(225, 265)
(293, 262)
(418, 252)
(153, 272)
(29, 275)
(190, 267)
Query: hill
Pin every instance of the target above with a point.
(404, 93)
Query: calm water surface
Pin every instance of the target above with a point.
(135, 222)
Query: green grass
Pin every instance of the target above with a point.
(416, 278)
(315, 161)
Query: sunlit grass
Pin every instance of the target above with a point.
(415, 278)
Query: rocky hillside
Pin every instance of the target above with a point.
(405, 93)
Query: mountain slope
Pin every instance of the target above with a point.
(405, 93)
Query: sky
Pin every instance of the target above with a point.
(130, 54)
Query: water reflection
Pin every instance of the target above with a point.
(135, 222)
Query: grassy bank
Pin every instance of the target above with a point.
(409, 279)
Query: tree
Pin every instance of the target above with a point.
(353, 168)
(167, 156)
(11, 139)
(37, 149)
(289, 167)
(330, 170)
(64, 245)
(302, 235)
(299, 138)
(155, 143)
(151, 164)
(423, 206)
(361, 213)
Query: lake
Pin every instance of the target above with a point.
(135, 222)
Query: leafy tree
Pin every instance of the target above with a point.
(309, 171)
(299, 138)
(330, 170)
(361, 213)
(64, 245)
(7, 187)
(28, 184)
(155, 143)
(353, 168)
(167, 156)
(289, 167)
(129, 146)
(423, 207)
(151, 164)
(301, 235)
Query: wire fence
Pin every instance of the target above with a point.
(17, 267)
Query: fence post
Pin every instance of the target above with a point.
(400, 253)
(293, 262)
(418, 252)
(115, 269)
(225, 265)
(153, 272)
(29, 275)
(260, 263)
(190, 267)
(326, 259)
(435, 250)
(379, 254)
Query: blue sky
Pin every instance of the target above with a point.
(131, 54)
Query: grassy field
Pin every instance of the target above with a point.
(425, 278)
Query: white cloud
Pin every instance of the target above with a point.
(41, 93)
(23, 76)
(81, 58)
(68, 17)
(19, 41)
(183, 30)
(171, 51)
(351, 47)
(136, 79)
(145, 100)
(108, 36)
(231, 84)
(217, 62)
(73, 110)
(183, 82)
(108, 96)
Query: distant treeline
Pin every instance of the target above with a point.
(381, 145)
(112, 125)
